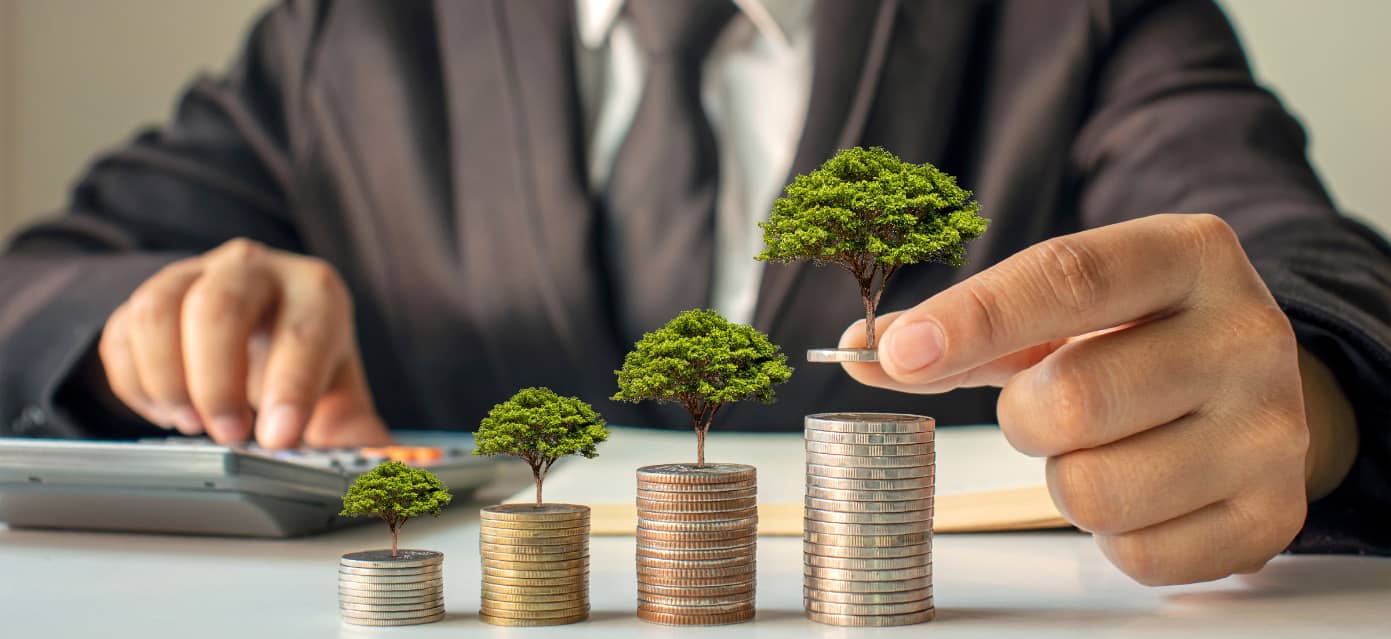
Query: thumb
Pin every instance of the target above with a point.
(344, 416)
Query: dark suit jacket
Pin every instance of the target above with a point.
(433, 153)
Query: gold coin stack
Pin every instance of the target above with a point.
(697, 542)
(376, 588)
(867, 540)
(535, 564)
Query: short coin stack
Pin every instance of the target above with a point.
(377, 589)
(697, 541)
(867, 541)
(535, 564)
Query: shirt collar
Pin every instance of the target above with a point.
(774, 19)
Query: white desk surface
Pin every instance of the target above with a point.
(1034, 585)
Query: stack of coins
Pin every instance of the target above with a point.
(535, 564)
(377, 589)
(867, 544)
(697, 541)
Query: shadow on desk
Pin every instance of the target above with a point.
(1311, 576)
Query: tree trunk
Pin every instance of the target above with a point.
(700, 446)
(869, 321)
(536, 475)
(395, 538)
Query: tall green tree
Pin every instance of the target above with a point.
(870, 213)
(701, 362)
(540, 427)
(395, 492)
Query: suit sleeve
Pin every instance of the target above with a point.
(1177, 124)
(219, 170)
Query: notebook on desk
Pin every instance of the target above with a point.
(982, 483)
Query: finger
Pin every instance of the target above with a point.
(309, 339)
(344, 416)
(220, 311)
(1237, 535)
(118, 362)
(993, 373)
(1059, 288)
(1157, 475)
(1094, 391)
(155, 339)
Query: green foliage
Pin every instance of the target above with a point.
(870, 213)
(867, 204)
(701, 361)
(395, 492)
(540, 427)
(395, 489)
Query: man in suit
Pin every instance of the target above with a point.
(441, 202)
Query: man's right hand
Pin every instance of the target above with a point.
(244, 336)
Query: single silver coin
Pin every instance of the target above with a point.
(369, 592)
(404, 558)
(869, 423)
(749, 523)
(861, 528)
(390, 607)
(399, 614)
(866, 552)
(868, 496)
(868, 439)
(845, 574)
(866, 597)
(837, 355)
(897, 608)
(832, 516)
(870, 461)
(867, 541)
(826, 584)
(846, 485)
(868, 450)
(388, 579)
(354, 582)
(395, 622)
(830, 469)
(856, 506)
(389, 572)
(711, 473)
(875, 621)
(379, 601)
(853, 563)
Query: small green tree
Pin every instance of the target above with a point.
(701, 361)
(870, 213)
(540, 427)
(395, 492)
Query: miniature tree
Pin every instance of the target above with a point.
(701, 361)
(870, 213)
(540, 427)
(395, 492)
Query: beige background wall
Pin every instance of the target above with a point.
(77, 76)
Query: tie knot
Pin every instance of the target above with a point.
(685, 28)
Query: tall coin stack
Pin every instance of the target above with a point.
(867, 544)
(697, 540)
(377, 589)
(535, 564)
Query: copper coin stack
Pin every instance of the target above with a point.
(697, 541)
(376, 588)
(535, 564)
(867, 540)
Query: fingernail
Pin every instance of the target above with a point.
(227, 429)
(279, 425)
(914, 346)
(186, 420)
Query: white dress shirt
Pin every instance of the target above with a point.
(755, 86)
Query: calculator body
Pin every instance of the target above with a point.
(197, 487)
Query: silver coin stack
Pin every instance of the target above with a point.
(377, 589)
(697, 542)
(867, 540)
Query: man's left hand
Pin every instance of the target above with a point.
(1151, 366)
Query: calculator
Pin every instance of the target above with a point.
(194, 486)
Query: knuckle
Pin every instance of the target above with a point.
(1078, 485)
(153, 306)
(323, 280)
(987, 303)
(1138, 559)
(1071, 272)
(1073, 403)
(1209, 232)
(240, 250)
